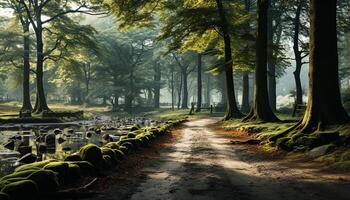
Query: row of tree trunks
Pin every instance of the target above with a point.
(157, 78)
(199, 83)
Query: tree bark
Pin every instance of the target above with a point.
(261, 110)
(207, 93)
(324, 107)
(324, 102)
(232, 109)
(245, 96)
(179, 92)
(271, 65)
(157, 78)
(41, 104)
(26, 105)
(297, 54)
(172, 88)
(199, 83)
(184, 104)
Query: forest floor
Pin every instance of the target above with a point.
(199, 161)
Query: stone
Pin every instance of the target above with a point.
(10, 145)
(321, 150)
(27, 158)
(22, 190)
(50, 139)
(92, 154)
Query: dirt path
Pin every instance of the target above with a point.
(203, 164)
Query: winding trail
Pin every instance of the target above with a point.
(203, 164)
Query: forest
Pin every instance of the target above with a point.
(175, 99)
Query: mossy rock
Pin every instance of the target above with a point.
(74, 172)
(134, 141)
(35, 165)
(20, 174)
(345, 156)
(61, 168)
(283, 143)
(135, 127)
(123, 137)
(123, 149)
(46, 181)
(132, 134)
(20, 190)
(112, 145)
(109, 152)
(92, 154)
(107, 162)
(342, 165)
(85, 167)
(4, 196)
(119, 154)
(73, 157)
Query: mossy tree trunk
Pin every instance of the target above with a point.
(261, 110)
(324, 107)
(232, 110)
(324, 102)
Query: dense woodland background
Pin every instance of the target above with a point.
(142, 55)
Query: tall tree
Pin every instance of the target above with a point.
(261, 109)
(324, 107)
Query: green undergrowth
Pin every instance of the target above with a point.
(44, 178)
(330, 146)
(168, 114)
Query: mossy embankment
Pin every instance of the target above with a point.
(329, 146)
(44, 179)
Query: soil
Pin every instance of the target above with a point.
(199, 161)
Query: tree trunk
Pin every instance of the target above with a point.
(324, 107)
(297, 54)
(324, 102)
(271, 65)
(207, 94)
(199, 83)
(232, 109)
(245, 96)
(157, 79)
(26, 106)
(179, 93)
(261, 109)
(172, 88)
(41, 104)
(185, 90)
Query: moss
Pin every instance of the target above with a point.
(21, 190)
(112, 145)
(35, 165)
(61, 168)
(119, 154)
(46, 181)
(345, 156)
(343, 165)
(73, 157)
(109, 152)
(20, 174)
(85, 167)
(92, 154)
(134, 141)
(124, 149)
(74, 172)
(135, 127)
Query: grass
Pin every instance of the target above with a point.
(168, 114)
